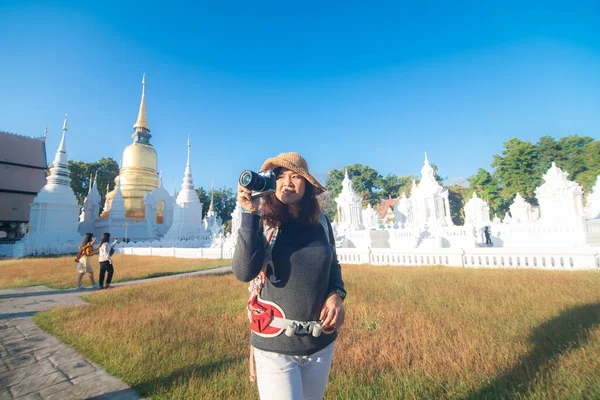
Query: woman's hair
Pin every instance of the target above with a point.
(275, 212)
(86, 239)
(105, 238)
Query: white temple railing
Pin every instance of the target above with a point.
(568, 259)
(209, 252)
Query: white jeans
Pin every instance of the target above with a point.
(282, 377)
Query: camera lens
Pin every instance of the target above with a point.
(251, 180)
(245, 179)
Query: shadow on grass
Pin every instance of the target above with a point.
(182, 376)
(551, 340)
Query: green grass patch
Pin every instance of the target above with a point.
(60, 272)
(430, 332)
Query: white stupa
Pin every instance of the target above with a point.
(520, 210)
(561, 200)
(349, 207)
(477, 212)
(91, 208)
(404, 212)
(212, 222)
(430, 200)
(370, 218)
(54, 212)
(187, 213)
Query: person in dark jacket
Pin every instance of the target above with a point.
(284, 250)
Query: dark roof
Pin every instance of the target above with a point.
(22, 174)
(22, 150)
(21, 179)
(15, 207)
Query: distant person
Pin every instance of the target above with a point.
(105, 258)
(287, 251)
(84, 259)
(488, 236)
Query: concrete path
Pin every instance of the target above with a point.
(36, 365)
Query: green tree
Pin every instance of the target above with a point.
(106, 169)
(591, 161)
(364, 179)
(224, 202)
(548, 150)
(204, 199)
(393, 185)
(327, 204)
(517, 169)
(573, 154)
(457, 198)
(487, 188)
(436, 174)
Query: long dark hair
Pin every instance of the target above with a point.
(86, 239)
(276, 213)
(105, 238)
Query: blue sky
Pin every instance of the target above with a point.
(338, 82)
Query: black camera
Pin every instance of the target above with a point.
(261, 183)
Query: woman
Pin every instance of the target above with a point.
(296, 313)
(105, 252)
(84, 259)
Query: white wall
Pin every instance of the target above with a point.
(574, 259)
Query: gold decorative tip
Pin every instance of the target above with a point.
(142, 122)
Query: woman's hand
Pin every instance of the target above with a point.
(333, 312)
(245, 199)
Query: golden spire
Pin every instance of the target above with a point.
(141, 123)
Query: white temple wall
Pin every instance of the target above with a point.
(133, 229)
(539, 234)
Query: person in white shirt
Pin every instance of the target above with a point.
(105, 252)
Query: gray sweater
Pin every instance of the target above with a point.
(308, 270)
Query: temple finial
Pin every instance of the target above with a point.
(45, 133)
(142, 123)
(91, 183)
(426, 160)
(188, 146)
(64, 128)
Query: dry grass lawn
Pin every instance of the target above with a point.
(411, 333)
(60, 272)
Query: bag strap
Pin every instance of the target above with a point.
(270, 238)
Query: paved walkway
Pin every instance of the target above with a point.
(36, 365)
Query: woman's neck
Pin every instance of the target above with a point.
(293, 210)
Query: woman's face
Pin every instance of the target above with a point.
(290, 187)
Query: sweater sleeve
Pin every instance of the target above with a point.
(249, 251)
(335, 274)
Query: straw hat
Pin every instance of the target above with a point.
(293, 161)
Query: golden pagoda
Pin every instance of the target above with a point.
(138, 173)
